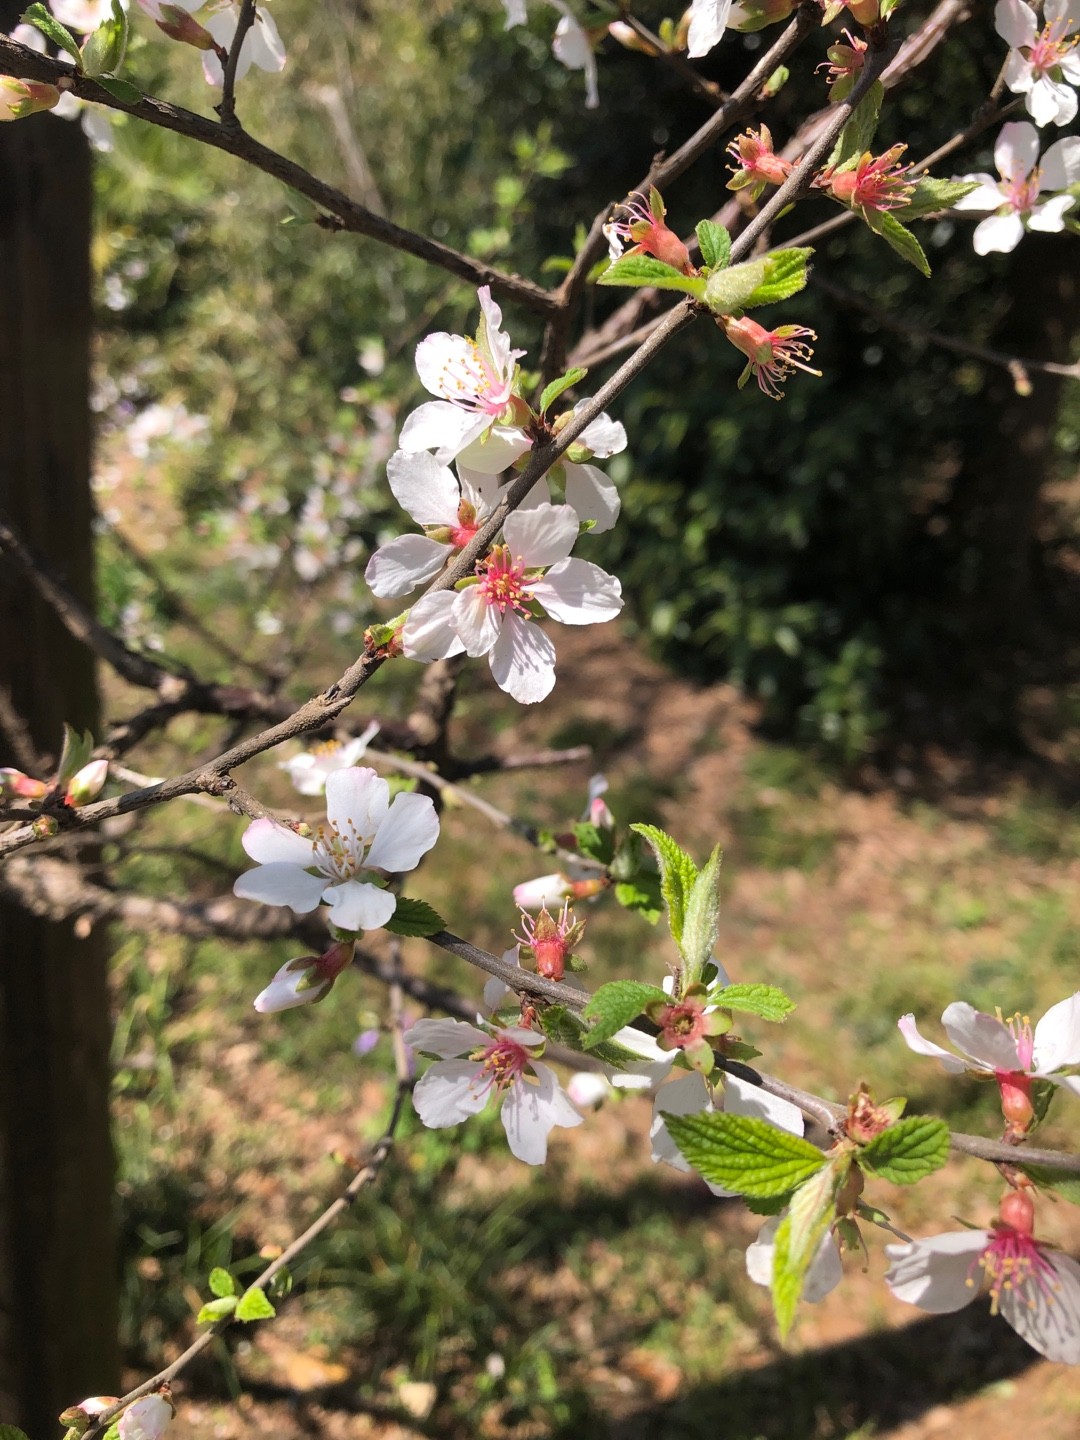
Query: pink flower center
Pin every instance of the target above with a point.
(471, 381)
(681, 1025)
(1022, 194)
(877, 184)
(502, 581)
(466, 527)
(1051, 47)
(1013, 1261)
(503, 1061)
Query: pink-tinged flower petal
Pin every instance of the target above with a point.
(1016, 149)
(1060, 166)
(529, 1112)
(1057, 1037)
(1062, 10)
(424, 489)
(515, 13)
(989, 196)
(577, 592)
(934, 1273)
(571, 48)
(1050, 217)
(447, 429)
(491, 332)
(982, 1037)
(544, 890)
(541, 536)
(1018, 73)
(428, 633)
(522, 1035)
(450, 1092)
(440, 355)
(494, 449)
(269, 843)
(146, 1419)
(560, 1110)
(588, 1089)
(480, 490)
(826, 1269)
(592, 495)
(356, 801)
(1070, 67)
(476, 622)
(281, 883)
(914, 1041)
(409, 830)
(708, 21)
(402, 564)
(262, 43)
(283, 992)
(445, 1038)
(998, 235)
(742, 1098)
(522, 660)
(267, 47)
(603, 436)
(357, 905)
(30, 36)
(1015, 22)
(1050, 102)
(1045, 1314)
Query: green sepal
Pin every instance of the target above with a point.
(415, 918)
(930, 196)
(254, 1305)
(677, 874)
(555, 389)
(812, 1210)
(767, 1002)
(616, 1004)
(701, 923)
(215, 1310)
(743, 1154)
(907, 1151)
(715, 244)
(638, 270)
(597, 844)
(856, 137)
(898, 237)
(221, 1282)
(43, 20)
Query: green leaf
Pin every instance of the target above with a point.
(634, 895)
(812, 1210)
(715, 243)
(592, 841)
(253, 1305)
(639, 270)
(858, 133)
(677, 874)
(75, 753)
(221, 1282)
(899, 237)
(120, 90)
(556, 388)
(216, 1310)
(615, 1005)
(785, 275)
(748, 1156)
(760, 1205)
(12, 1432)
(104, 48)
(702, 922)
(414, 917)
(767, 1002)
(1066, 1185)
(51, 28)
(929, 196)
(907, 1151)
(565, 1028)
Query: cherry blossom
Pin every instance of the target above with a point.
(588, 490)
(708, 21)
(306, 980)
(493, 615)
(757, 165)
(588, 1089)
(146, 1419)
(573, 48)
(309, 770)
(473, 1065)
(1015, 198)
(772, 355)
(876, 183)
(825, 1272)
(262, 43)
(577, 882)
(1034, 1288)
(450, 510)
(639, 223)
(366, 838)
(85, 15)
(1042, 60)
(476, 414)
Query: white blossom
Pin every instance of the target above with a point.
(84, 15)
(708, 21)
(1041, 61)
(572, 48)
(992, 1046)
(1015, 198)
(346, 862)
(262, 43)
(308, 771)
(145, 1419)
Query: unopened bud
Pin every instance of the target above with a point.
(629, 38)
(19, 98)
(1016, 1103)
(87, 784)
(177, 24)
(14, 785)
(1018, 1212)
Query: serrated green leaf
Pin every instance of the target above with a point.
(857, 135)
(216, 1310)
(745, 1155)
(767, 1002)
(677, 874)
(760, 1205)
(615, 1005)
(701, 924)
(715, 244)
(812, 1210)
(1064, 1184)
(120, 89)
(635, 896)
(43, 20)
(565, 1028)
(785, 275)
(900, 238)
(637, 270)
(221, 1282)
(931, 195)
(414, 917)
(254, 1305)
(907, 1151)
(555, 389)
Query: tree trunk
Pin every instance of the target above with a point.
(58, 1280)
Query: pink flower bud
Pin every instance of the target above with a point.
(146, 1419)
(305, 980)
(588, 1089)
(544, 890)
(19, 98)
(87, 784)
(177, 24)
(15, 785)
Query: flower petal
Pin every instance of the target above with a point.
(914, 1041)
(428, 633)
(530, 1111)
(438, 357)
(1060, 166)
(401, 565)
(522, 660)
(437, 425)
(1050, 216)
(358, 905)
(998, 234)
(424, 489)
(268, 842)
(1015, 22)
(282, 992)
(450, 1092)
(708, 21)
(603, 436)
(742, 1098)
(592, 495)
(1057, 1036)
(494, 448)
(983, 1037)
(445, 1038)
(543, 535)
(577, 592)
(1050, 102)
(281, 883)
(356, 801)
(688, 1095)
(409, 830)
(476, 622)
(989, 196)
(934, 1273)
(1047, 1314)
(1016, 150)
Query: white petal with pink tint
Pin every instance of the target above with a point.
(522, 660)
(280, 883)
(577, 592)
(450, 1092)
(429, 633)
(543, 535)
(402, 564)
(442, 427)
(357, 799)
(914, 1041)
(425, 490)
(983, 1038)
(1000, 234)
(1057, 1036)
(1015, 22)
(1060, 166)
(445, 1038)
(494, 449)
(591, 495)
(268, 842)
(1016, 149)
(1047, 1313)
(409, 830)
(708, 21)
(476, 622)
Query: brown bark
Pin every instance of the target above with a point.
(58, 1282)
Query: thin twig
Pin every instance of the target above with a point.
(227, 108)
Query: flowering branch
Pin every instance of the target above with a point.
(227, 106)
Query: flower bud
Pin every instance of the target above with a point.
(728, 290)
(305, 980)
(588, 1089)
(19, 98)
(146, 1419)
(87, 784)
(1016, 1103)
(14, 785)
(177, 24)
(1017, 1211)
(79, 1417)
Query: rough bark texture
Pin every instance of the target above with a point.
(58, 1284)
